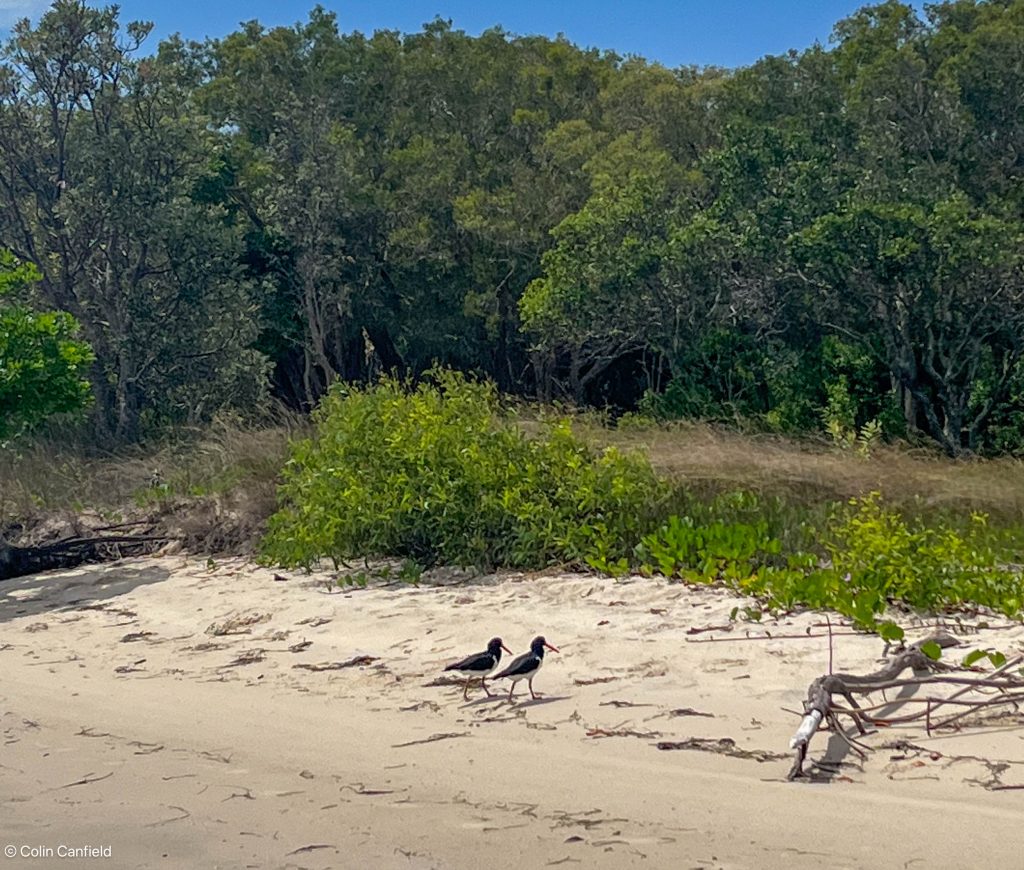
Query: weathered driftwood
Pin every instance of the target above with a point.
(66, 553)
(819, 707)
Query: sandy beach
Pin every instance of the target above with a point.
(179, 713)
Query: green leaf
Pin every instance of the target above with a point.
(932, 650)
(997, 659)
(974, 656)
(890, 632)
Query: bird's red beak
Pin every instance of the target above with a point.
(506, 649)
(550, 647)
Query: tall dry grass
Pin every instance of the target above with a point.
(216, 487)
(212, 487)
(710, 460)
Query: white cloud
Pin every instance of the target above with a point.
(13, 10)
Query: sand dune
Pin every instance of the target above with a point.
(193, 715)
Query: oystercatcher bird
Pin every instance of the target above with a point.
(525, 667)
(480, 664)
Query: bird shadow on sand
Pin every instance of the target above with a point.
(537, 702)
(492, 699)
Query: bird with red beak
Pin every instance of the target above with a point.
(480, 665)
(525, 667)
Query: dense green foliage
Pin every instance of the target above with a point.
(109, 190)
(42, 362)
(881, 557)
(826, 240)
(857, 196)
(865, 558)
(435, 474)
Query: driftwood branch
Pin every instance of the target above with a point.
(819, 707)
(66, 553)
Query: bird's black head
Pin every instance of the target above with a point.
(539, 644)
(495, 646)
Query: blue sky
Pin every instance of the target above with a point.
(721, 32)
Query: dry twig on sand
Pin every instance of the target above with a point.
(357, 661)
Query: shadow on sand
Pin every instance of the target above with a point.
(838, 751)
(72, 589)
(537, 702)
(493, 699)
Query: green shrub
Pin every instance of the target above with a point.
(717, 551)
(876, 557)
(43, 363)
(436, 474)
(882, 557)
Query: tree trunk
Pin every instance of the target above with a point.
(22, 561)
(575, 381)
(909, 407)
(506, 329)
(542, 363)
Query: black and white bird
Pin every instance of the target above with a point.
(480, 665)
(525, 667)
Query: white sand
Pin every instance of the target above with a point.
(160, 749)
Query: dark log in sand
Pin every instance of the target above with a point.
(71, 552)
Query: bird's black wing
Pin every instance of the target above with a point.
(520, 665)
(483, 661)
